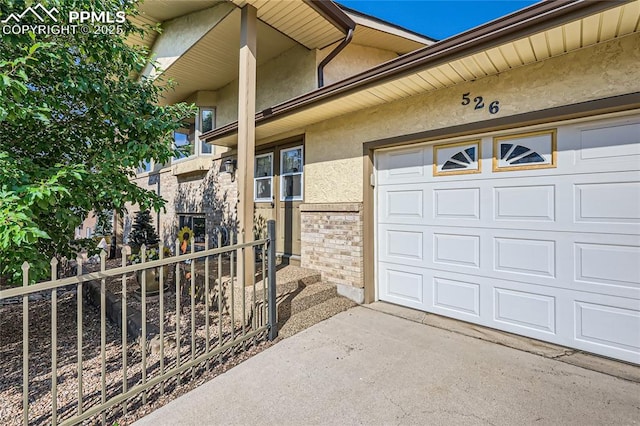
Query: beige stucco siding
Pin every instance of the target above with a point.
(289, 75)
(351, 60)
(203, 98)
(285, 77)
(294, 73)
(333, 171)
(227, 106)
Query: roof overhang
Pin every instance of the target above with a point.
(213, 61)
(314, 24)
(533, 34)
(154, 12)
(374, 32)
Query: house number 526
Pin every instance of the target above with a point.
(494, 106)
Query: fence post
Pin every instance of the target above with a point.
(273, 320)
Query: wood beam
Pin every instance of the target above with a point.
(246, 135)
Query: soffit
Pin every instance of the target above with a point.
(596, 28)
(213, 62)
(163, 10)
(298, 20)
(152, 12)
(371, 37)
(374, 33)
(149, 37)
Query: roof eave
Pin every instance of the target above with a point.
(333, 13)
(533, 18)
(421, 38)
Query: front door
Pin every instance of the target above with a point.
(278, 193)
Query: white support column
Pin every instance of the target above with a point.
(246, 134)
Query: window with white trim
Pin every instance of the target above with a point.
(189, 136)
(263, 180)
(291, 174)
(181, 139)
(145, 166)
(207, 123)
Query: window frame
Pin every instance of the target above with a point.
(202, 144)
(437, 171)
(195, 130)
(262, 178)
(191, 216)
(182, 131)
(148, 167)
(283, 175)
(553, 161)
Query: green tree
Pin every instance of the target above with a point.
(142, 231)
(104, 223)
(75, 122)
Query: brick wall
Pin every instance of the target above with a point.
(199, 191)
(332, 242)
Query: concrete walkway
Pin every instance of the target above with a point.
(367, 367)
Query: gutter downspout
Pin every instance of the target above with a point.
(332, 55)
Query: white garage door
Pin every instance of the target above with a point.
(531, 232)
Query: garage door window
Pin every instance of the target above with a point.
(525, 151)
(456, 158)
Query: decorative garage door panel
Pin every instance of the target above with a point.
(536, 233)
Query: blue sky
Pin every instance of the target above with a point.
(436, 18)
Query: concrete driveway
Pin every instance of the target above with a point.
(367, 367)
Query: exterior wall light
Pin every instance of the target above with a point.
(229, 166)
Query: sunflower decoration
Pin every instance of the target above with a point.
(184, 236)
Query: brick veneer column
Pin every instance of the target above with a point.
(332, 242)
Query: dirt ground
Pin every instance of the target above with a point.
(40, 395)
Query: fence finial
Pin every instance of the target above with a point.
(25, 273)
(54, 268)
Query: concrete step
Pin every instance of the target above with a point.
(304, 298)
(292, 279)
(313, 315)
